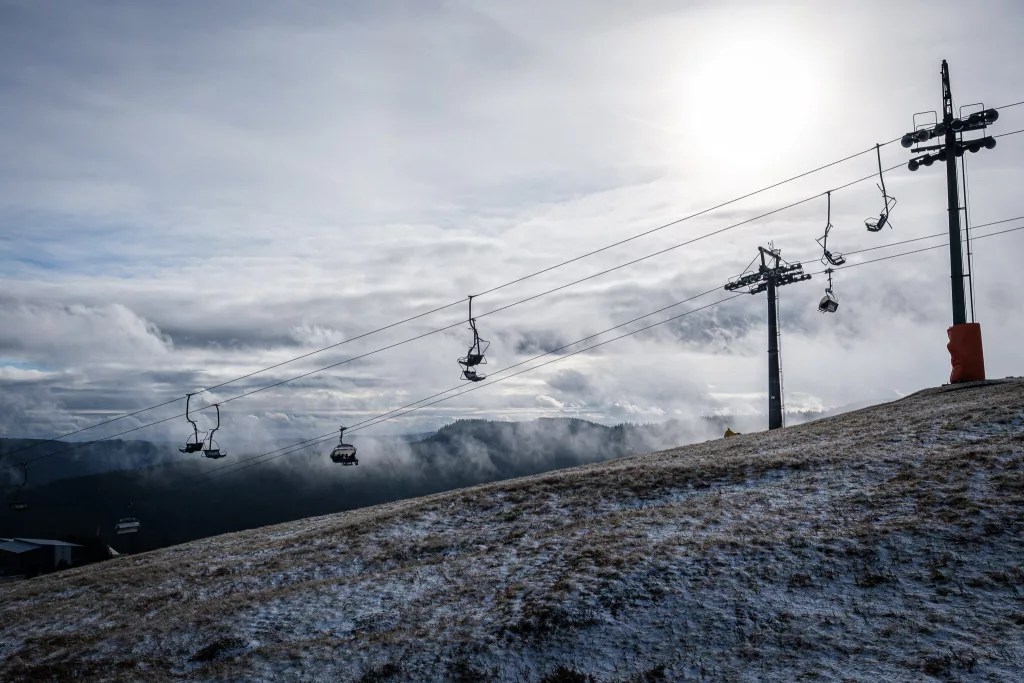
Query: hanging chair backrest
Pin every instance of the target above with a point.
(127, 525)
(344, 453)
(829, 303)
(876, 224)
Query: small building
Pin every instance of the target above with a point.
(31, 556)
(18, 558)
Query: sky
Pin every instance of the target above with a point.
(194, 191)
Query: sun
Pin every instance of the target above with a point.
(748, 97)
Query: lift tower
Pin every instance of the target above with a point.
(965, 346)
(956, 264)
(772, 274)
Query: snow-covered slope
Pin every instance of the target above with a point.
(884, 544)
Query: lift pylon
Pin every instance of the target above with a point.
(772, 274)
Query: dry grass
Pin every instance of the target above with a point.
(879, 544)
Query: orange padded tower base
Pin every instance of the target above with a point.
(965, 353)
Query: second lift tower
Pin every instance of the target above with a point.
(772, 274)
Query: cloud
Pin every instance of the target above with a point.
(316, 335)
(545, 401)
(191, 195)
(79, 333)
(570, 381)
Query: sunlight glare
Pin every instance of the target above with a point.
(749, 99)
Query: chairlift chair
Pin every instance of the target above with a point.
(835, 259)
(127, 525)
(875, 224)
(828, 257)
(18, 504)
(475, 355)
(829, 303)
(195, 444)
(344, 453)
(212, 449)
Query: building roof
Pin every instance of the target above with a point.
(47, 541)
(42, 541)
(13, 546)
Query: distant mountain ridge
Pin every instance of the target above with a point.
(63, 459)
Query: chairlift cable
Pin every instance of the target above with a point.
(408, 408)
(453, 303)
(918, 251)
(245, 464)
(134, 429)
(633, 262)
(885, 258)
(376, 421)
(222, 384)
(691, 216)
(450, 305)
(364, 423)
(1012, 132)
(926, 237)
(1005, 220)
(293, 448)
(482, 315)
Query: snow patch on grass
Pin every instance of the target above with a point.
(879, 545)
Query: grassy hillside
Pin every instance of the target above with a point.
(883, 544)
